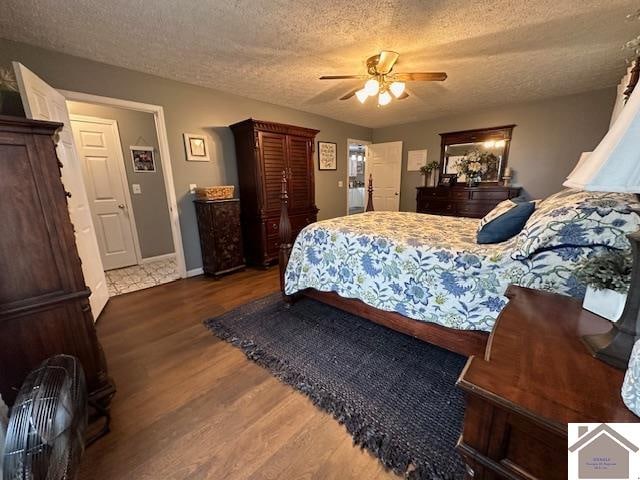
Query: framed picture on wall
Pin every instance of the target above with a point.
(327, 156)
(196, 147)
(143, 159)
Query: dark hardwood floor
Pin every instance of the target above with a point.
(190, 406)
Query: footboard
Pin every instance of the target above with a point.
(285, 228)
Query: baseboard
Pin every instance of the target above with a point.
(194, 272)
(166, 256)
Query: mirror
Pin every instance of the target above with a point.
(482, 153)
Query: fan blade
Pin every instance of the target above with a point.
(386, 61)
(403, 96)
(347, 96)
(343, 77)
(420, 77)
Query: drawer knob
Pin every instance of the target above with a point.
(275, 226)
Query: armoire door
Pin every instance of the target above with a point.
(273, 148)
(300, 173)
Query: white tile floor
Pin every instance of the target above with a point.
(137, 277)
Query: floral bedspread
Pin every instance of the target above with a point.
(425, 267)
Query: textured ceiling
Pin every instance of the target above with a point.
(495, 52)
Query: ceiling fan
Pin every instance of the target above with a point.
(381, 81)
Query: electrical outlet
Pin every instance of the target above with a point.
(340, 183)
(192, 187)
(136, 188)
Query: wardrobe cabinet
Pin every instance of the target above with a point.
(264, 151)
(44, 301)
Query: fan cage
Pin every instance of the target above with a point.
(45, 435)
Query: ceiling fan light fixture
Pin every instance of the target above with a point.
(372, 87)
(362, 95)
(384, 98)
(397, 88)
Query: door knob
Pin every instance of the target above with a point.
(121, 206)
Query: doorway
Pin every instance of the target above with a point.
(124, 180)
(356, 187)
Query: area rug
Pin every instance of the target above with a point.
(394, 394)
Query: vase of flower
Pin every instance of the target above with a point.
(607, 278)
(429, 171)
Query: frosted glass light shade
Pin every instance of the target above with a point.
(362, 95)
(397, 88)
(384, 98)
(372, 87)
(614, 165)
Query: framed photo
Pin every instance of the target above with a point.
(327, 156)
(143, 159)
(196, 147)
(448, 179)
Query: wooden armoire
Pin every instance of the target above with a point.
(44, 302)
(264, 151)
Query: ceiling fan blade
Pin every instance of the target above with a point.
(386, 61)
(343, 77)
(420, 77)
(403, 96)
(350, 94)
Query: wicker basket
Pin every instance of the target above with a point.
(219, 192)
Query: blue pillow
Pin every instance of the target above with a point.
(507, 225)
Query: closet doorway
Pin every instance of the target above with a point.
(356, 182)
(124, 180)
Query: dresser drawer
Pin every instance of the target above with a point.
(298, 222)
(437, 207)
(475, 210)
(481, 194)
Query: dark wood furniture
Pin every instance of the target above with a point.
(264, 150)
(464, 342)
(535, 377)
(462, 201)
(220, 235)
(476, 139)
(44, 302)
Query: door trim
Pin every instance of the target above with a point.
(346, 183)
(165, 159)
(121, 170)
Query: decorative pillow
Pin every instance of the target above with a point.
(577, 218)
(509, 222)
(499, 209)
(631, 385)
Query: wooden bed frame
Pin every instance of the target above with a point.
(464, 342)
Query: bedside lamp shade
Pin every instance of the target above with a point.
(614, 165)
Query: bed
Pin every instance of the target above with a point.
(426, 276)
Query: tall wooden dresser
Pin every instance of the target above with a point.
(44, 302)
(220, 235)
(264, 151)
(462, 201)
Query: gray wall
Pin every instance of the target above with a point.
(150, 207)
(547, 141)
(192, 109)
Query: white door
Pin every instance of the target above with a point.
(384, 162)
(98, 144)
(43, 102)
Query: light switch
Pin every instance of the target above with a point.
(136, 188)
(340, 183)
(192, 187)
